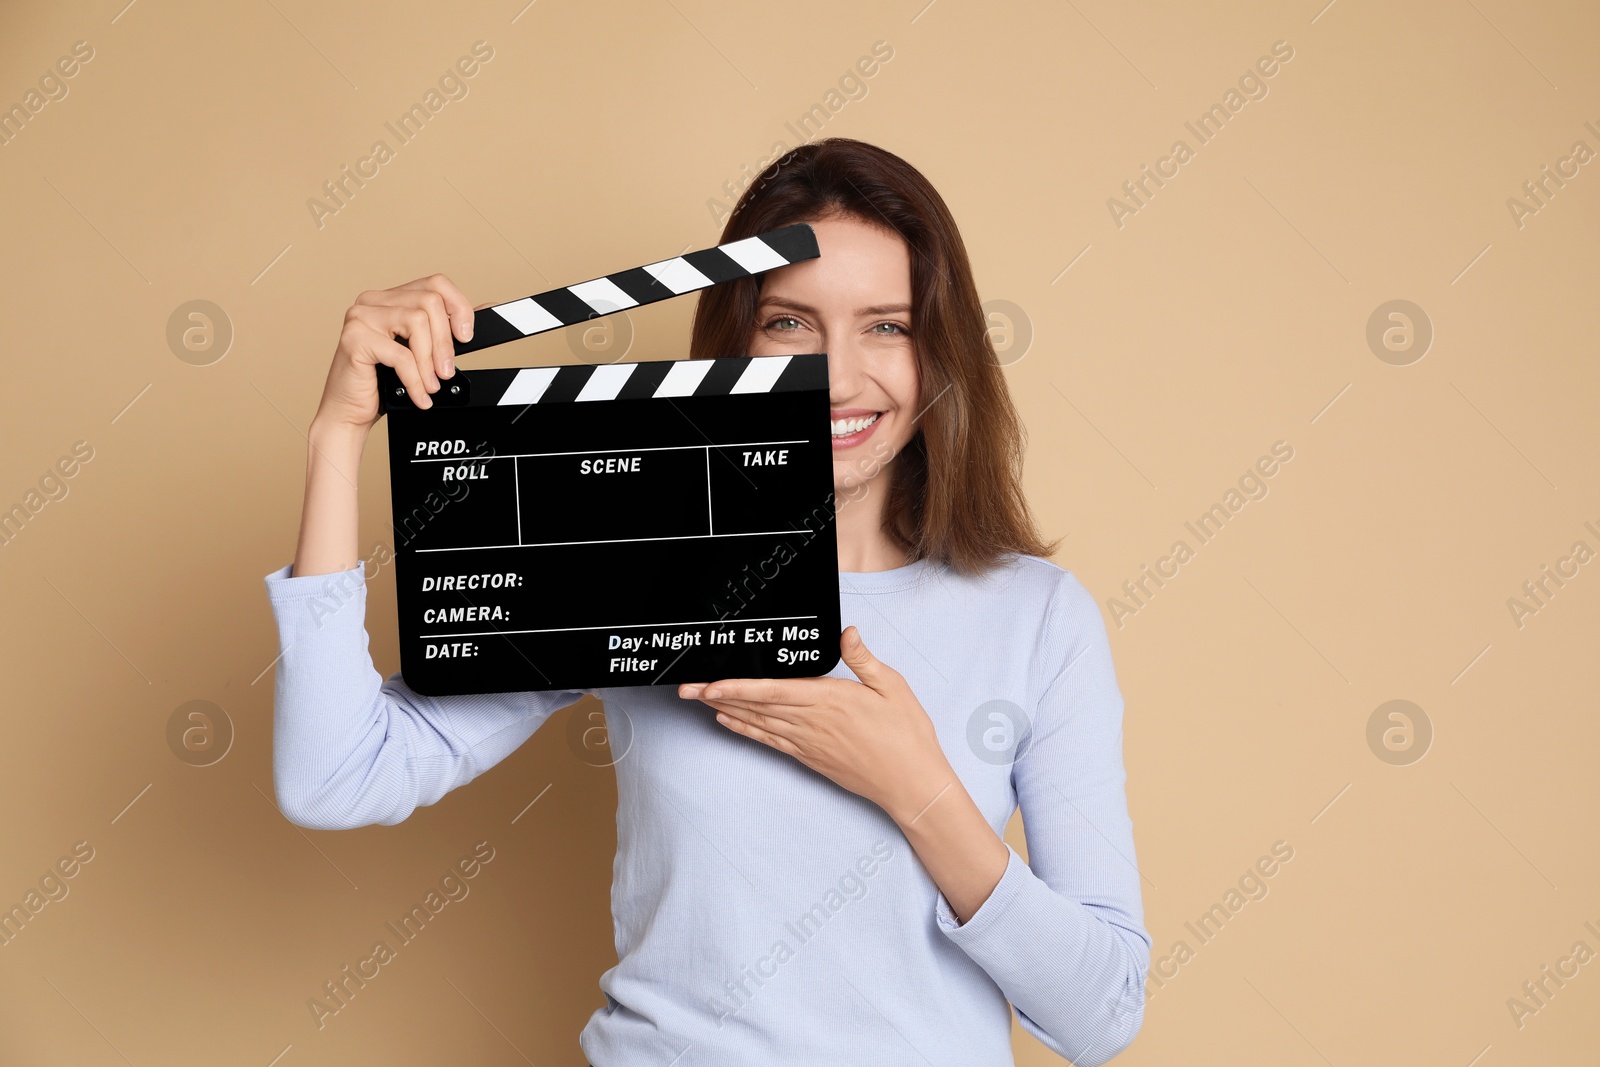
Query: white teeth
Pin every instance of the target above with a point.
(846, 427)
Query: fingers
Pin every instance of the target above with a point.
(454, 315)
(761, 690)
(416, 326)
(391, 353)
(756, 733)
(765, 714)
(419, 316)
(456, 305)
(872, 671)
(854, 648)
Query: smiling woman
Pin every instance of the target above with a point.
(733, 823)
(927, 472)
(908, 344)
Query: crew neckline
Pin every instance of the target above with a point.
(895, 578)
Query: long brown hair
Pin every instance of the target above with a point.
(955, 489)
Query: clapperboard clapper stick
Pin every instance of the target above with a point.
(617, 524)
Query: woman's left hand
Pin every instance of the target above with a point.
(872, 736)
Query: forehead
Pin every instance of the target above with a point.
(860, 262)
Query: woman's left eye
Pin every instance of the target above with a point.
(894, 327)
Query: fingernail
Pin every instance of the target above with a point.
(713, 693)
(449, 368)
(466, 331)
(689, 692)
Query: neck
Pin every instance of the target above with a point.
(863, 544)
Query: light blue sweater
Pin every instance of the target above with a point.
(764, 915)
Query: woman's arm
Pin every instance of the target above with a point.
(349, 747)
(1063, 939)
(427, 312)
(957, 846)
(1061, 934)
(330, 512)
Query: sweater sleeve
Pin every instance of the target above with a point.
(351, 748)
(1063, 934)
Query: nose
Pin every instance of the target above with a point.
(844, 369)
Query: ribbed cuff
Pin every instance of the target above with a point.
(969, 933)
(282, 584)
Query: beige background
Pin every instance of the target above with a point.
(1229, 313)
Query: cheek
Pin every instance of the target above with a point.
(901, 383)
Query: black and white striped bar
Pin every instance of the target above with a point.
(590, 382)
(573, 304)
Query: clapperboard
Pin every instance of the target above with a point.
(617, 524)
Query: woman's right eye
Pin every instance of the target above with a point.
(771, 323)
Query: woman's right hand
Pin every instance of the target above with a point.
(426, 313)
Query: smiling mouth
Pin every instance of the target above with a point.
(854, 424)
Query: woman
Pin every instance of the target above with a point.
(815, 873)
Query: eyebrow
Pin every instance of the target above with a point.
(795, 305)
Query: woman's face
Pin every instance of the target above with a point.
(854, 303)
